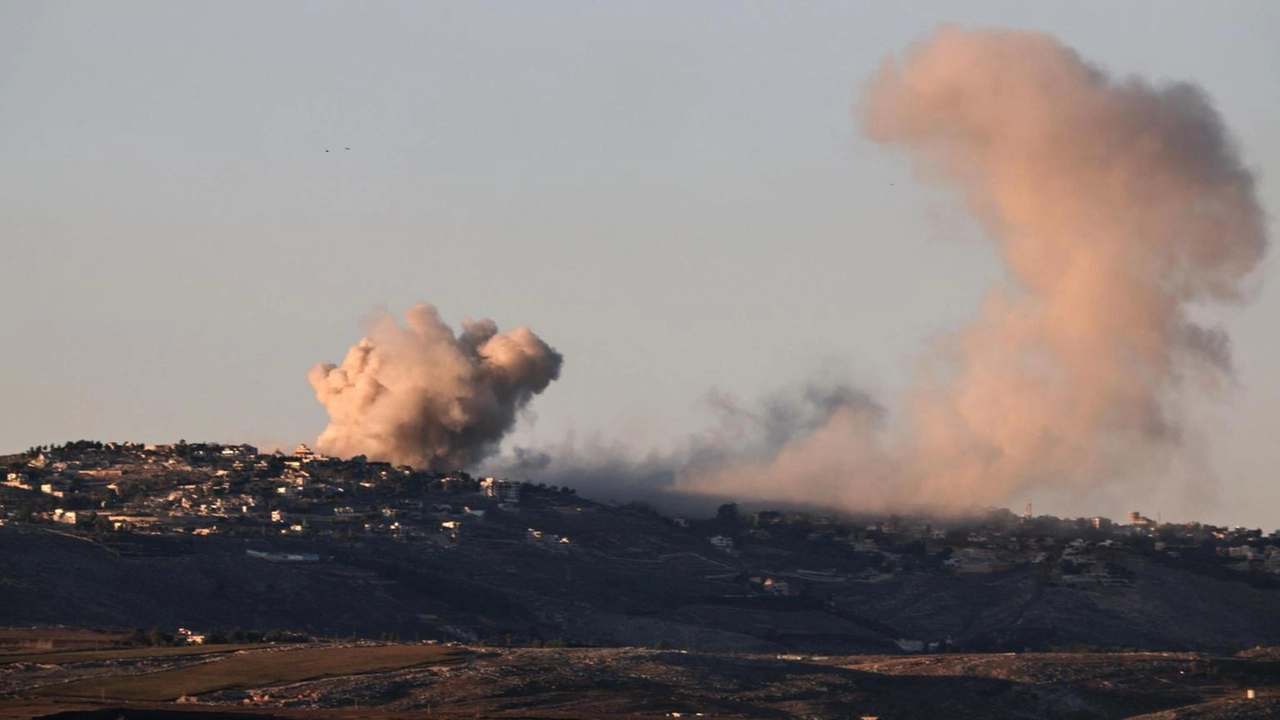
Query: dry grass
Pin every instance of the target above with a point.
(66, 657)
(27, 640)
(255, 670)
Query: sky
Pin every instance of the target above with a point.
(676, 196)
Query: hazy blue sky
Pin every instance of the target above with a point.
(674, 195)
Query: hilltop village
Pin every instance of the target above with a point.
(209, 488)
(493, 557)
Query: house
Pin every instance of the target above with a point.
(130, 523)
(239, 451)
(56, 488)
(283, 556)
(776, 587)
(720, 542)
(1138, 521)
(501, 490)
(1075, 547)
(1244, 552)
(976, 560)
(102, 473)
(65, 516)
(546, 541)
(866, 545)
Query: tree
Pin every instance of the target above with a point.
(727, 517)
(159, 638)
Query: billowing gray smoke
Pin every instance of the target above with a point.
(743, 439)
(420, 395)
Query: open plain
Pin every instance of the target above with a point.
(400, 680)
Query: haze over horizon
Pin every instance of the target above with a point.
(679, 200)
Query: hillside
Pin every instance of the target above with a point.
(220, 538)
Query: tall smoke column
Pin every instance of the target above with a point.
(1115, 205)
(420, 395)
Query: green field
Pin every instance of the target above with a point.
(255, 670)
(79, 656)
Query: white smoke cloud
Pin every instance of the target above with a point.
(420, 395)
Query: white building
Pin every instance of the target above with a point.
(776, 587)
(500, 490)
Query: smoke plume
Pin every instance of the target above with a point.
(1116, 205)
(720, 464)
(420, 395)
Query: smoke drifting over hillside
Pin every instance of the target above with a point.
(742, 440)
(1115, 205)
(420, 395)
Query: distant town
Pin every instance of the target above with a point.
(98, 489)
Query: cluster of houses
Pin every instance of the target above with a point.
(207, 488)
(1084, 552)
